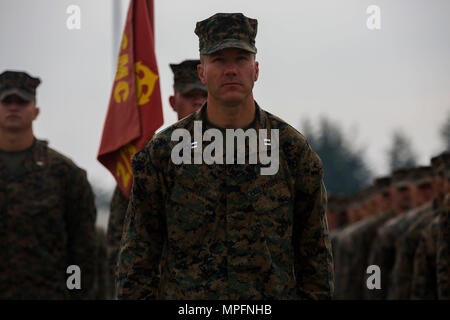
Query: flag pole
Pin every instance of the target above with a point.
(116, 31)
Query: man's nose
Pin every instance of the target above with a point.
(13, 106)
(230, 68)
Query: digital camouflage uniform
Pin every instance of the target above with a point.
(361, 241)
(352, 256)
(383, 251)
(424, 280)
(118, 209)
(226, 231)
(443, 253)
(334, 240)
(47, 224)
(406, 245)
(443, 247)
(104, 282)
(340, 259)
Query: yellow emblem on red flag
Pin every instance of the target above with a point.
(135, 107)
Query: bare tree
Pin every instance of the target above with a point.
(400, 153)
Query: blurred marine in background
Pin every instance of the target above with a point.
(47, 210)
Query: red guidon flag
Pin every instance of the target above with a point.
(135, 108)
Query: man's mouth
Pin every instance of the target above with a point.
(231, 84)
(12, 116)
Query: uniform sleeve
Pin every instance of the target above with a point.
(142, 239)
(443, 253)
(118, 209)
(424, 278)
(81, 216)
(382, 254)
(313, 256)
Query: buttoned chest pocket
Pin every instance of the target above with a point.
(190, 217)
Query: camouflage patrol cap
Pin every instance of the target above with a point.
(227, 30)
(185, 76)
(382, 182)
(20, 83)
(421, 175)
(401, 177)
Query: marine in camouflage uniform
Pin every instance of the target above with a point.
(383, 249)
(118, 209)
(336, 211)
(46, 205)
(103, 284)
(423, 280)
(359, 238)
(226, 231)
(189, 95)
(425, 276)
(407, 242)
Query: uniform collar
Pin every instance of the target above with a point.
(38, 159)
(262, 121)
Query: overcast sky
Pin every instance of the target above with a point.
(317, 58)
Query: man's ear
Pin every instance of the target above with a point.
(36, 112)
(201, 73)
(256, 71)
(172, 103)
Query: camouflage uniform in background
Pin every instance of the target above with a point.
(384, 250)
(443, 253)
(118, 209)
(424, 281)
(226, 231)
(406, 245)
(340, 259)
(47, 223)
(353, 254)
(334, 240)
(103, 284)
(361, 242)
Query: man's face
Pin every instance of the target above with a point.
(386, 200)
(404, 197)
(375, 203)
(187, 103)
(17, 114)
(426, 192)
(229, 75)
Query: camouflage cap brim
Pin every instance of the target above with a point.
(20, 92)
(228, 43)
(424, 181)
(402, 184)
(185, 88)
